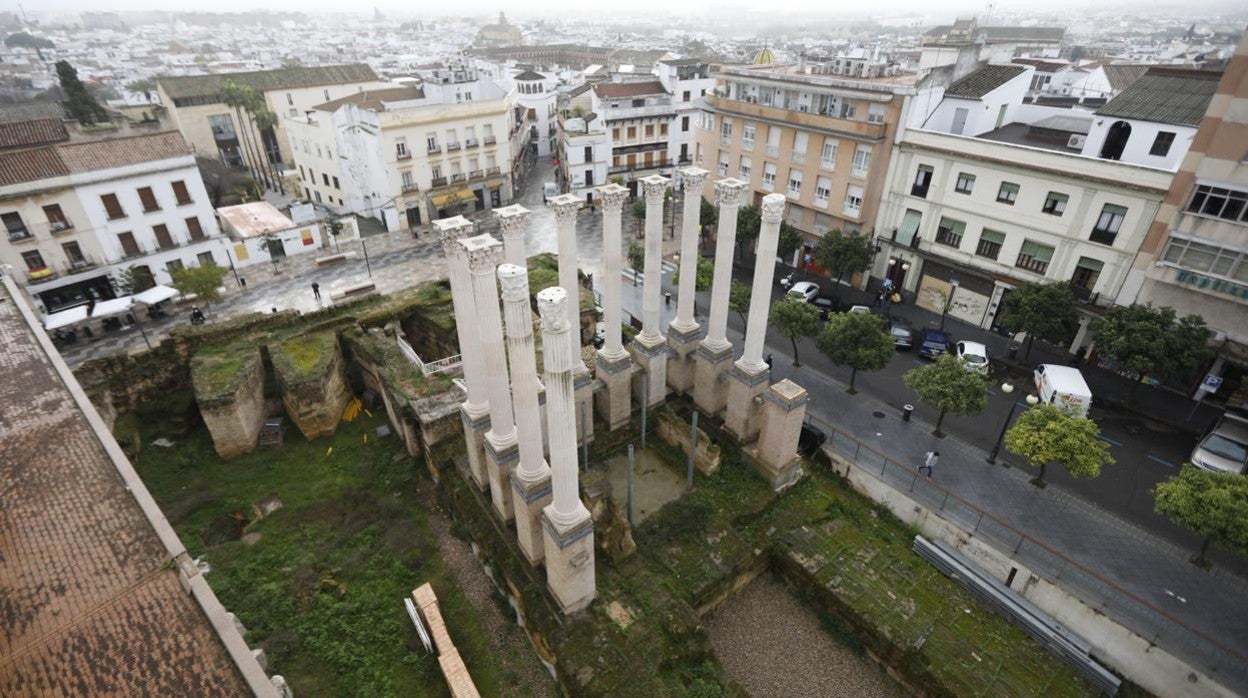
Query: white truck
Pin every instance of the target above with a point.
(1063, 386)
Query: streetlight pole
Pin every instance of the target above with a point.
(1007, 388)
(953, 288)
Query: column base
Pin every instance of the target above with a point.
(683, 342)
(744, 401)
(528, 499)
(615, 400)
(651, 356)
(710, 393)
(475, 427)
(500, 461)
(784, 408)
(570, 561)
(583, 396)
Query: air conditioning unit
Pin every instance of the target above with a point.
(1076, 140)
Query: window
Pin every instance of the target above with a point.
(1207, 257)
(1107, 224)
(795, 184)
(470, 136)
(16, 226)
(746, 165)
(180, 193)
(148, 198)
(1034, 257)
(406, 178)
(823, 223)
(965, 184)
(336, 183)
(74, 254)
(853, 200)
(1055, 204)
(1219, 202)
(589, 178)
(827, 156)
(875, 113)
(1008, 193)
(290, 101)
(317, 195)
(862, 161)
(793, 217)
(112, 206)
(205, 259)
(589, 153)
(193, 229)
(747, 135)
(303, 177)
(684, 124)
(431, 142)
(435, 171)
(949, 232)
(801, 141)
(922, 181)
(723, 163)
(173, 265)
(34, 261)
(990, 242)
(400, 148)
(684, 96)
(326, 95)
(56, 218)
(325, 178)
(222, 126)
(725, 130)
(823, 191)
(773, 141)
(163, 238)
(1087, 271)
(1162, 143)
(769, 176)
(632, 132)
(649, 130)
(663, 129)
(639, 102)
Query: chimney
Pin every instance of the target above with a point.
(801, 63)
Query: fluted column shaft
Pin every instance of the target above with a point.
(484, 254)
(655, 188)
(729, 192)
(760, 295)
(560, 421)
(566, 207)
(514, 281)
(692, 178)
(612, 200)
(464, 305)
(512, 221)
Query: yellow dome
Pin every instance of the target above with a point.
(764, 57)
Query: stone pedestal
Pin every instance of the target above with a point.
(570, 560)
(710, 390)
(744, 388)
(651, 357)
(475, 427)
(528, 501)
(500, 463)
(683, 344)
(615, 401)
(784, 408)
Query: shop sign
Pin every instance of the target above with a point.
(1208, 283)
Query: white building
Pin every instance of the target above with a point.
(260, 233)
(585, 157)
(537, 94)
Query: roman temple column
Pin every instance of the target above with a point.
(566, 524)
(714, 355)
(566, 207)
(475, 410)
(530, 483)
(749, 374)
(614, 364)
(650, 346)
(684, 331)
(501, 453)
(512, 221)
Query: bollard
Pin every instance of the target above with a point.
(906, 411)
(667, 298)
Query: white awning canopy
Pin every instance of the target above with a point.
(65, 318)
(116, 306)
(155, 294)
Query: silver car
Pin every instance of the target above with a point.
(1225, 448)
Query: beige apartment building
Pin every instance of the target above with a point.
(819, 131)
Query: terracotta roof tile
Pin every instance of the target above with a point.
(34, 164)
(629, 89)
(281, 79)
(18, 134)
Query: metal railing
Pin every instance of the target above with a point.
(1097, 592)
(450, 364)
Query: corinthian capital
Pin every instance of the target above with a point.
(451, 231)
(565, 207)
(514, 281)
(655, 187)
(552, 305)
(773, 208)
(511, 220)
(729, 191)
(484, 253)
(612, 197)
(693, 177)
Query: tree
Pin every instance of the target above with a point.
(24, 40)
(637, 256)
(856, 340)
(81, 106)
(790, 240)
(948, 386)
(238, 97)
(135, 279)
(703, 276)
(263, 120)
(204, 281)
(739, 298)
(1212, 505)
(144, 85)
(334, 228)
(843, 255)
(1046, 311)
(795, 318)
(1148, 340)
(708, 216)
(1050, 434)
(749, 219)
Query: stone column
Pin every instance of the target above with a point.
(530, 483)
(512, 221)
(501, 453)
(566, 207)
(475, 410)
(651, 346)
(566, 524)
(784, 408)
(714, 353)
(683, 332)
(615, 366)
(749, 374)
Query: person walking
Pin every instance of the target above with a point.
(929, 462)
(316, 291)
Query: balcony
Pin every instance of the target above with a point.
(434, 149)
(489, 140)
(493, 170)
(457, 177)
(40, 275)
(773, 151)
(62, 225)
(470, 143)
(402, 155)
(452, 147)
(852, 209)
(476, 174)
(797, 158)
(20, 234)
(437, 182)
(410, 187)
(747, 144)
(1030, 263)
(769, 183)
(1103, 237)
(801, 119)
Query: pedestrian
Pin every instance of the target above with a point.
(242, 282)
(879, 299)
(929, 462)
(316, 291)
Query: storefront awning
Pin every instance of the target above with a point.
(116, 306)
(65, 318)
(458, 196)
(156, 294)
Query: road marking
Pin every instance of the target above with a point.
(1108, 440)
(919, 363)
(1163, 461)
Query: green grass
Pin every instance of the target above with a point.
(217, 370)
(322, 589)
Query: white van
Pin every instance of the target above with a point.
(1064, 386)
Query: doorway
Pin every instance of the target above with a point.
(1116, 140)
(413, 216)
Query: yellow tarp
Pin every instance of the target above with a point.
(458, 196)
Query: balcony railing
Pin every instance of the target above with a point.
(435, 149)
(457, 177)
(490, 140)
(773, 151)
(797, 157)
(20, 234)
(437, 182)
(470, 142)
(1030, 263)
(452, 147)
(493, 170)
(1103, 237)
(410, 187)
(476, 174)
(747, 144)
(38, 276)
(769, 184)
(405, 155)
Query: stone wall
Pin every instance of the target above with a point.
(612, 534)
(229, 389)
(312, 376)
(676, 433)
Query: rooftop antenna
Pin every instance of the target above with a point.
(992, 5)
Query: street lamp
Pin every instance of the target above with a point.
(1006, 389)
(953, 288)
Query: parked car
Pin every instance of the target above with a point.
(932, 343)
(974, 355)
(549, 191)
(902, 333)
(806, 290)
(860, 309)
(1224, 449)
(810, 440)
(1064, 386)
(826, 307)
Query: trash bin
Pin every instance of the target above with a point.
(906, 411)
(667, 298)
(1013, 352)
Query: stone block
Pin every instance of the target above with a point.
(614, 399)
(651, 358)
(676, 433)
(311, 372)
(500, 462)
(570, 571)
(744, 402)
(528, 500)
(230, 395)
(683, 344)
(784, 408)
(612, 534)
(710, 390)
(475, 427)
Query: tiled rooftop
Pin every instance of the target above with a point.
(18, 166)
(279, 79)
